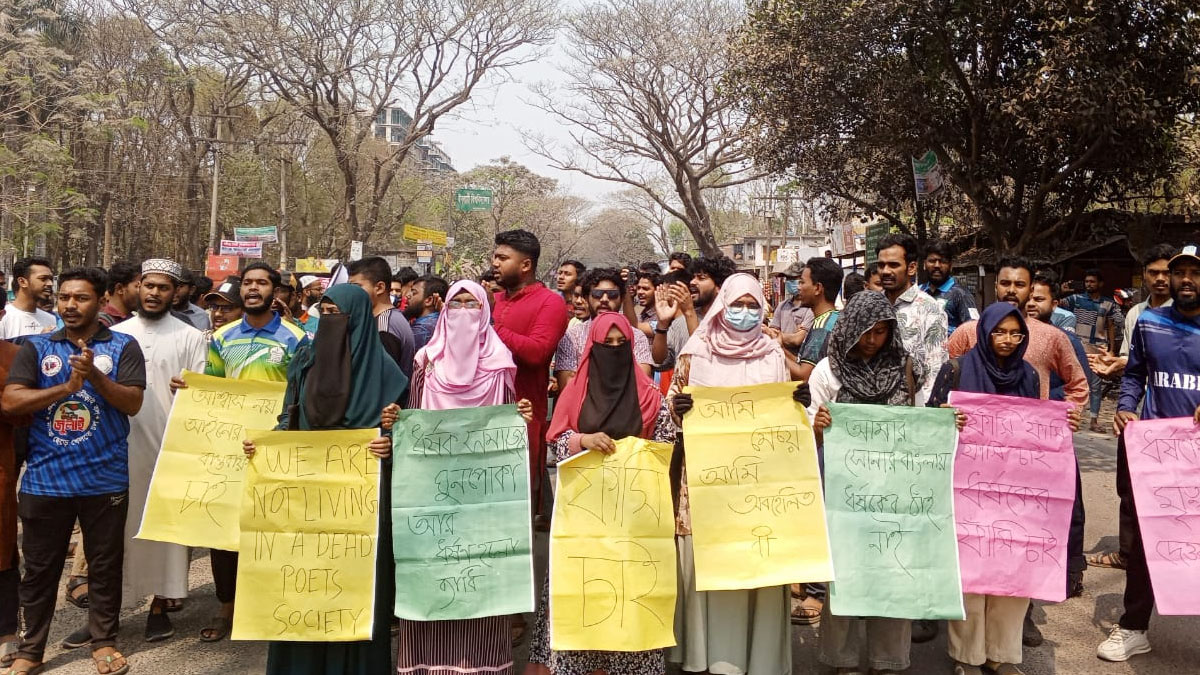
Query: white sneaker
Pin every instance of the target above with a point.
(1122, 644)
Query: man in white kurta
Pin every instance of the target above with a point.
(170, 346)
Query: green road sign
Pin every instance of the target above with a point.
(473, 199)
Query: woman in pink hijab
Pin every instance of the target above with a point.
(746, 631)
(464, 365)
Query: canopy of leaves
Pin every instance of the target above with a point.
(1036, 109)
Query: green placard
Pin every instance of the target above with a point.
(460, 514)
(473, 199)
(889, 499)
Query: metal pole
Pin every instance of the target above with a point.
(216, 189)
(283, 213)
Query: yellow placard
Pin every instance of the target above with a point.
(196, 492)
(758, 517)
(416, 233)
(612, 551)
(310, 534)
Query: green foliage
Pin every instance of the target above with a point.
(1036, 109)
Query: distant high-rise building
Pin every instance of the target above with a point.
(392, 125)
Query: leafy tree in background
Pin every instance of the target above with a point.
(1036, 109)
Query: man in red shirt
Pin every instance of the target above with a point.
(529, 319)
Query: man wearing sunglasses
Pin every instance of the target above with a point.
(604, 290)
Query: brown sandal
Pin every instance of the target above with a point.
(107, 661)
(808, 612)
(80, 600)
(1112, 559)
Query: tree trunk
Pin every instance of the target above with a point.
(349, 195)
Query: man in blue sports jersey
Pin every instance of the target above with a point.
(81, 384)
(1164, 368)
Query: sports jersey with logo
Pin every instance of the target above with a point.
(78, 445)
(240, 351)
(1164, 365)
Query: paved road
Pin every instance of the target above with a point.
(1072, 629)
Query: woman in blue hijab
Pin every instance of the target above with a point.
(991, 633)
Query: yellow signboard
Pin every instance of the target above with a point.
(758, 517)
(612, 551)
(310, 534)
(314, 265)
(196, 492)
(415, 233)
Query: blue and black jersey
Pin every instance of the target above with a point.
(1164, 364)
(78, 445)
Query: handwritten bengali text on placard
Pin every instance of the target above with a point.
(889, 495)
(196, 493)
(612, 550)
(1014, 488)
(754, 489)
(461, 517)
(1164, 465)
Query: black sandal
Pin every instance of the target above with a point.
(217, 630)
(174, 605)
(81, 600)
(158, 627)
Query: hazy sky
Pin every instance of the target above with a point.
(489, 126)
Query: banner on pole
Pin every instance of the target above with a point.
(927, 174)
(267, 233)
(473, 199)
(218, 267)
(424, 234)
(244, 249)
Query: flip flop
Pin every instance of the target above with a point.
(1112, 559)
(32, 670)
(218, 629)
(107, 660)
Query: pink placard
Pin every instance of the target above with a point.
(1014, 486)
(1164, 465)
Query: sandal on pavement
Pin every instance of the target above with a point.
(217, 630)
(107, 662)
(77, 639)
(174, 605)
(80, 600)
(158, 627)
(26, 670)
(808, 612)
(10, 653)
(1004, 668)
(1112, 559)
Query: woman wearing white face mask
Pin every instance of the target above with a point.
(746, 631)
